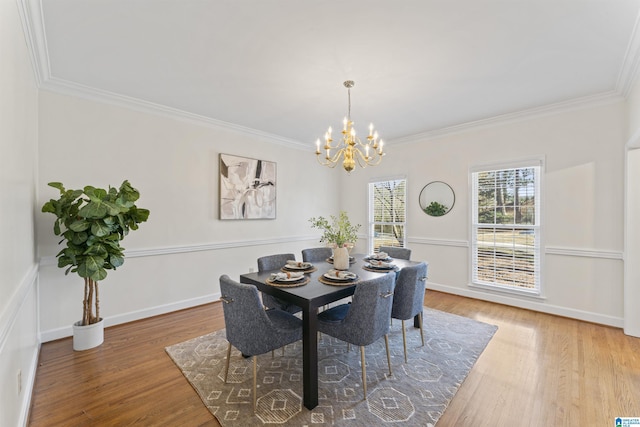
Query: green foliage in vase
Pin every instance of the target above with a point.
(92, 222)
(338, 230)
(435, 209)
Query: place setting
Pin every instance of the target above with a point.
(299, 266)
(380, 262)
(380, 256)
(287, 279)
(338, 278)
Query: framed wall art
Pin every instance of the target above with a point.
(247, 188)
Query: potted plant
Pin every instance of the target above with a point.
(435, 209)
(340, 234)
(92, 222)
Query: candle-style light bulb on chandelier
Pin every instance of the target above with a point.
(350, 147)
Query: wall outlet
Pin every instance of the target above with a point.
(19, 381)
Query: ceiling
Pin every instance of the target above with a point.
(277, 66)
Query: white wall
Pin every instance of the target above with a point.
(18, 266)
(632, 217)
(583, 205)
(175, 259)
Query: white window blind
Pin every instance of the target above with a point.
(506, 228)
(387, 213)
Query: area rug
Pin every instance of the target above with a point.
(415, 395)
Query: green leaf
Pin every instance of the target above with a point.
(116, 261)
(79, 225)
(93, 210)
(57, 185)
(112, 208)
(90, 266)
(100, 229)
(50, 207)
(79, 238)
(97, 250)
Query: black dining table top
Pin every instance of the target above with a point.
(316, 293)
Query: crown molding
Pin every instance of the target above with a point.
(591, 101)
(33, 27)
(629, 69)
(65, 87)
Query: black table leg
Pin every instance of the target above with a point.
(310, 356)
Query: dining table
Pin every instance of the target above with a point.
(313, 294)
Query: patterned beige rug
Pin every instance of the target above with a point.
(415, 395)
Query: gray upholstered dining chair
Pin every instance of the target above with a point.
(363, 321)
(250, 328)
(408, 298)
(273, 262)
(316, 254)
(395, 252)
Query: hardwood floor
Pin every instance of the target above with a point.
(538, 370)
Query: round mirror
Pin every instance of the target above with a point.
(437, 198)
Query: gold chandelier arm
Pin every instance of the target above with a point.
(330, 161)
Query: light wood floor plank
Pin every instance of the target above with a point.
(538, 370)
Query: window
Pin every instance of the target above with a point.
(506, 227)
(387, 214)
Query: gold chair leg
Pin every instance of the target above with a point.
(421, 332)
(386, 343)
(364, 372)
(226, 368)
(348, 347)
(273, 354)
(255, 374)
(404, 342)
(283, 347)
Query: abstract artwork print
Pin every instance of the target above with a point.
(247, 188)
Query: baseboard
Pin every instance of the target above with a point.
(524, 303)
(27, 391)
(55, 334)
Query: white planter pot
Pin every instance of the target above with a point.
(341, 258)
(86, 337)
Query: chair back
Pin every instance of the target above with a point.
(395, 252)
(316, 254)
(248, 327)
(408, 298)
(370, 310)
(273, 262)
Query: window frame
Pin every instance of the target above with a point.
(538, 163)
(371, 206)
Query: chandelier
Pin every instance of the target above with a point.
(350, 148)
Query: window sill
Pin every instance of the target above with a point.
(508, 291)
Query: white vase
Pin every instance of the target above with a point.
(89, 336)
(341, 258)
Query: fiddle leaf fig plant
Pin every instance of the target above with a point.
(92, 222)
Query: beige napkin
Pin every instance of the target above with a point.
(286, 275)
(339, 274)
(379, 255)
(298, 264)
(376, 263)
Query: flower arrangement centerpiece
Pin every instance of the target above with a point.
(337, 231)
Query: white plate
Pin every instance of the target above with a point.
(291, 279)
(291, 267)
(339, 279)
(380, 267)
(387, 259)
